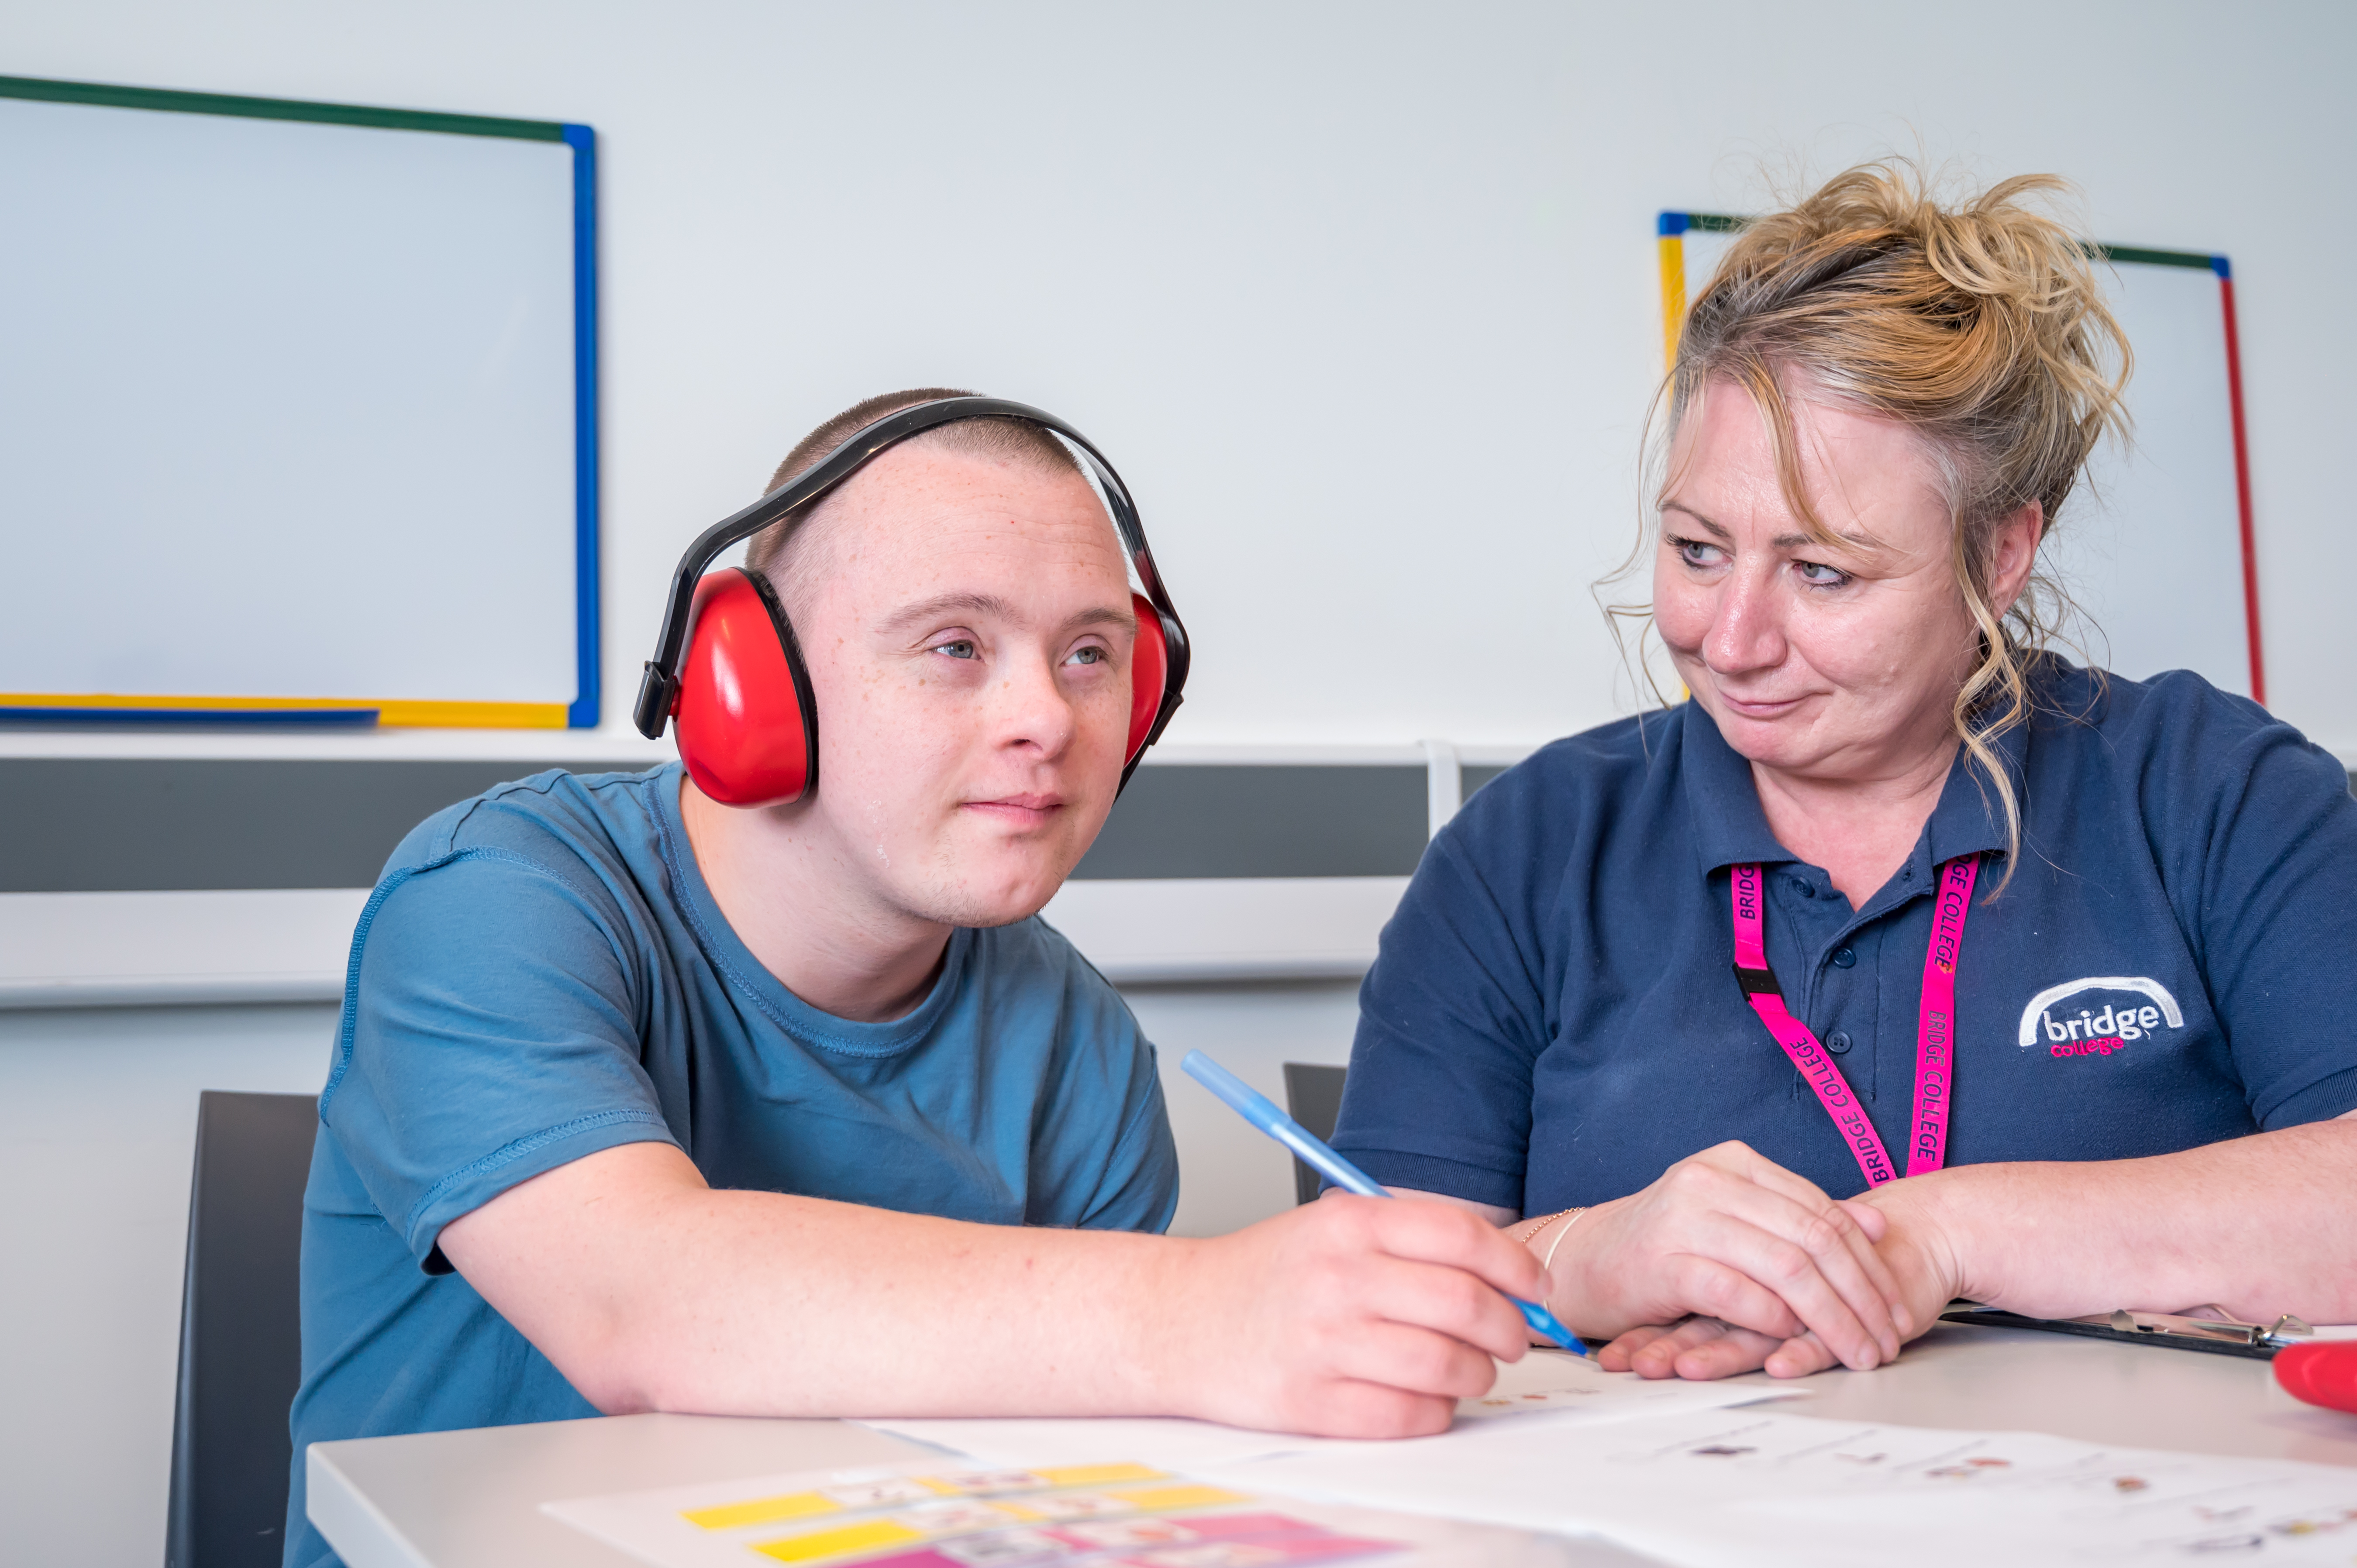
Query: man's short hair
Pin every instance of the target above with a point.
(1012, 440)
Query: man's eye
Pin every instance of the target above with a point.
(961, 649)
(1091, 655)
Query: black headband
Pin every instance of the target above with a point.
(660, 686)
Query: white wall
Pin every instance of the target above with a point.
(1361, 297)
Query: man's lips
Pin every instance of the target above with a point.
(1019, 810)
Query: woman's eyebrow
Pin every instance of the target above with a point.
(1704, 524)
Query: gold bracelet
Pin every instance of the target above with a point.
(1547, 1262)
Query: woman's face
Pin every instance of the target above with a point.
(1834, 664)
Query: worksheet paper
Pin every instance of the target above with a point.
(941, 1514)
(1552, 1385)
(1760, 1489)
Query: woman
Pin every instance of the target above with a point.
(2049, 979)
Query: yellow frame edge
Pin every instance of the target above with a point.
(391, 714)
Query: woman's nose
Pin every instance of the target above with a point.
(1747, 631)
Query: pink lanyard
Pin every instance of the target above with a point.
(1935, 1035)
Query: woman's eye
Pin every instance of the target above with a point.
(961, 649)
(1818, 575)
(1091, 655)
(1696, 552)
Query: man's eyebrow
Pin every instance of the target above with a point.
(910, 616)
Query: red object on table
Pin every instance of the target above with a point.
(2320, 1374)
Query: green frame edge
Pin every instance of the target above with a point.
(2197, 260)
(104, 96)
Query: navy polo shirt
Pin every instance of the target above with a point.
(1553, 1018)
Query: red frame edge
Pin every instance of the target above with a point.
(2243, 494)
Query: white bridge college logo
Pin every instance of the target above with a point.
(2086, 1031)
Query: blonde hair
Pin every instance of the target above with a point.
(1981, 327)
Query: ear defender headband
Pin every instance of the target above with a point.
(728, 674)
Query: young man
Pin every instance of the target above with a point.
(645, 1102)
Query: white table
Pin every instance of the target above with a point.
(472, 1500)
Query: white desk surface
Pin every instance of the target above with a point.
(471, 1499)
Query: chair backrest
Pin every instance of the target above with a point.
(240, 1331)
(1313, 1097)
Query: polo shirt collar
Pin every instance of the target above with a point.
(1731, 830)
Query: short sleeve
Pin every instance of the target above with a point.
(1139, 1188)
(1451, 1021)
(489, 1036)
(2272, 908)
(1101, 1153)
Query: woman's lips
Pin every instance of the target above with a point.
(1756, 708)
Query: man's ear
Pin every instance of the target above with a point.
(2013, 553)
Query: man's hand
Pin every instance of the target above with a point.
(1349, 1317)
(1736, 1238)
(1911, 1244)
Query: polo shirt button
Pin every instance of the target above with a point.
(1845, 957)
(1838, 1041)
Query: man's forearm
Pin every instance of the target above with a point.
(2260, 1226)
(680, 1297)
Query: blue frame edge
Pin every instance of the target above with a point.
(1673, 224)
(583, 711)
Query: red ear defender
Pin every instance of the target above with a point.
(727, 676)
(1150, 675)
(746, 724)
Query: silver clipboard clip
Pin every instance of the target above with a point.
(2221, 1335)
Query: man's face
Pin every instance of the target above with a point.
(968, 628)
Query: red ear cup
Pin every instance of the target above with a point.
(746, 726)
(1150, 675)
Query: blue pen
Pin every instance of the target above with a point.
(1257, 1109)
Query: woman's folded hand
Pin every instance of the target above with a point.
(1791, 1279)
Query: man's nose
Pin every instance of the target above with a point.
(1033, 708)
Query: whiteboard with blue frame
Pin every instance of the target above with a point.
(2158, 549)
(297, 412)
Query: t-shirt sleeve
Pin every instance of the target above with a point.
(1451, 1021)
(489, 1036)
(1103, 1156)
(2272, 906)
(1139, 1191)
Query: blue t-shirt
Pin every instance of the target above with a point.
(1553, 1018)
(542, 973)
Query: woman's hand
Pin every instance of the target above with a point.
(1733, 1237)
(1348, 1317)
(1910, 1243)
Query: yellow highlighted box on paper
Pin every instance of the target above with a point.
(821, 1543)
(763, 1511)
(1099, 1474)
(1162, 1499)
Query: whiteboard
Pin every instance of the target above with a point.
(2154, 546)
(252, 345)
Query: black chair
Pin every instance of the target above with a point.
(1313, 1097)
(240, 1331)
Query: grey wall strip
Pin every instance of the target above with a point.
(77, 825)
(1264, 820)
(71, 825)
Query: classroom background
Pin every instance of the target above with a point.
(1362, 299)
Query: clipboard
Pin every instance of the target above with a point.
(2220, 1336)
